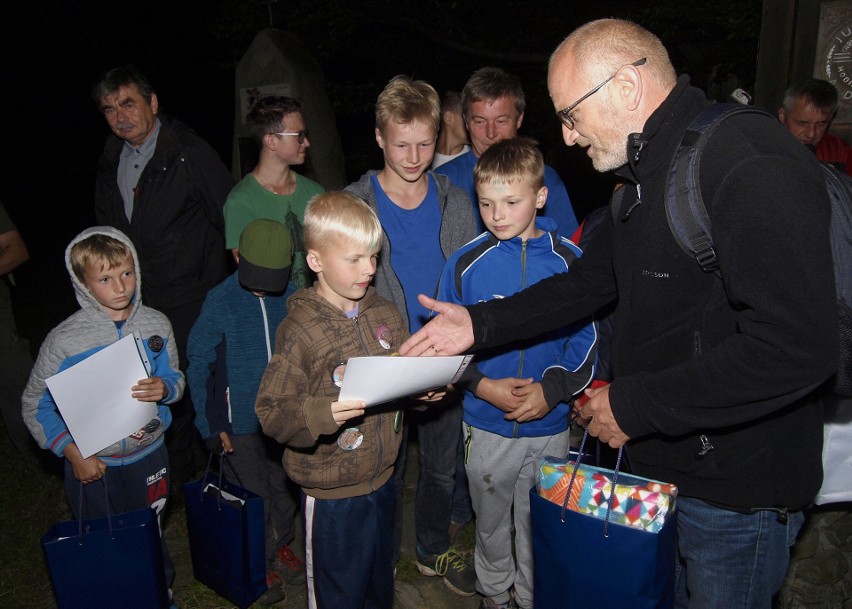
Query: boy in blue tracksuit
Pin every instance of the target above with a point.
(234, 337)
(516, 400)
(104, 270)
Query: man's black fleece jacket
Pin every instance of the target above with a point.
(731, 363)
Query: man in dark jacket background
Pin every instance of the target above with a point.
(165, 187)
(713, 374)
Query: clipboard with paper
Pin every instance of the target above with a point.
(93, 396)
(380, 379)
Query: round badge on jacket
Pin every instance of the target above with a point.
(155, 343)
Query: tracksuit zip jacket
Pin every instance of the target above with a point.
(86, 332)
(297, 389)
(562, 360)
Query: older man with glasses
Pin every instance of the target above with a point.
(714, 374)
(164, 187)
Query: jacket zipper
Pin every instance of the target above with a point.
(515, 424)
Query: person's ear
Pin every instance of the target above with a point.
(541, 197)
(628, 87)
(781, 114)
(155, 103)
(520, 121)
(379, 139)
(314, 261)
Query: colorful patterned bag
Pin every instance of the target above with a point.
(581, 561)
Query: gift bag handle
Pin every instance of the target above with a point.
(223, 461)
(80, 512)
(615, 471)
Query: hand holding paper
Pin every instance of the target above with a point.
(149, 389)
(343, 410)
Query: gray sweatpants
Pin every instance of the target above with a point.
(500, 473)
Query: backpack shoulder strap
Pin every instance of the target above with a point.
(685, 210)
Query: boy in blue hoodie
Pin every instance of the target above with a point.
(238, 321)
(104, 269)
(517, 398)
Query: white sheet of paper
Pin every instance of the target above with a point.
(381, 379)
(93, 396)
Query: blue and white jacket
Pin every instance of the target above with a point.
(563, 361)
(86, 332)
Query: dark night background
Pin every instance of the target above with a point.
(54, 51)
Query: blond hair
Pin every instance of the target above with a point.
(97, 249)
(512, 160)
(599, 48)
(404, 101)
(341, 215)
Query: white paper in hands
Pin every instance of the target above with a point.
(93, 396)
(381, 379)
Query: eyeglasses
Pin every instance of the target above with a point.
(302, 135)
(565, 114)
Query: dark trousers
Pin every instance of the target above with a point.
(348, 550)
(257, 461)
(438, 434)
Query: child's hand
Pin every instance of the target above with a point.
(501, 392)
(435, 395)
(347, 409)
(85, 470)
(149, 390)
(534, 406)
(218, 443)
(226, 442)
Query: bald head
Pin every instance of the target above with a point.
(601, 47)
(609, 51)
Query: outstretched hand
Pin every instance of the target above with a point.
(450, 333)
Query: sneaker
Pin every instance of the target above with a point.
(488, 602)
(458, 575)
(274, 590)
(290, 567)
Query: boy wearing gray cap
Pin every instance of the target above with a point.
(237, 324)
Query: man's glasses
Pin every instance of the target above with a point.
(302, 135)
(565, 114)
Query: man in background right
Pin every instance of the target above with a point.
(807, 111)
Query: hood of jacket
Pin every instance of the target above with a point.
(87, 302)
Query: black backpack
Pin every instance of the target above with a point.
(690, 224)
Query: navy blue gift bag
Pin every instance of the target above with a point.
(586, 562)
(225, 523)
(109, 562)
